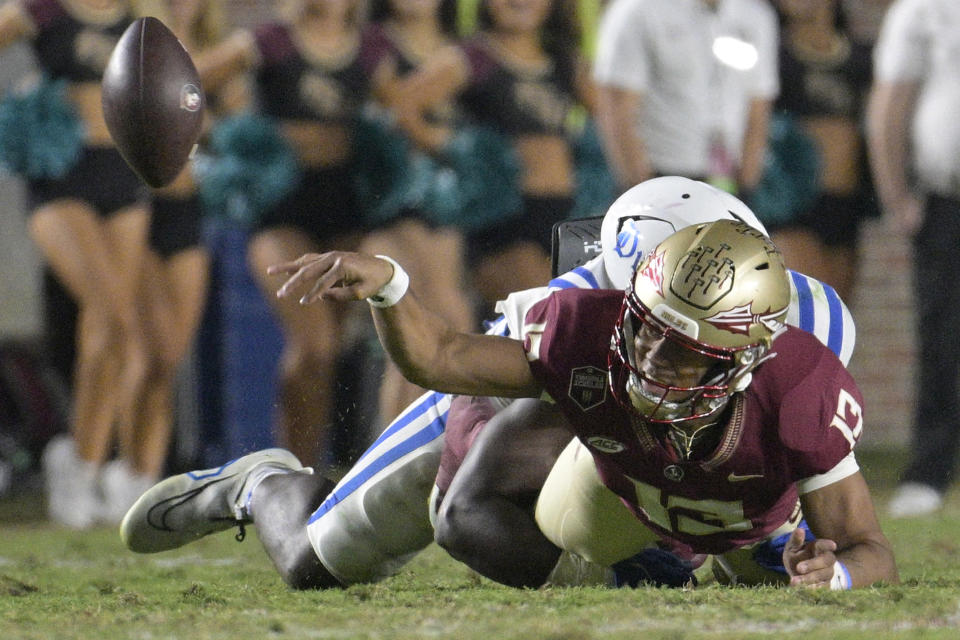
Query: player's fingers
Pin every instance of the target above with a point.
(327, 278)
(795, 543)
(293, 265)
(814, 573)
(305, 271)
(823, 546)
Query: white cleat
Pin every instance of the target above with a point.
(189, 506)
(914, 499)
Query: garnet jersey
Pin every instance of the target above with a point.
(796, 423)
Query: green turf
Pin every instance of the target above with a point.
(56, 583)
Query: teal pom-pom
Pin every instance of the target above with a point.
(41, 135)
(250, 168)
(471, 183)
(478, 182)
(384, 179)
(791, 176)
(596, 187)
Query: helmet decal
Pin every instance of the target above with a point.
(706, 274)
(739, 319)
(653, 271)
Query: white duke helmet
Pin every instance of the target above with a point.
(646, 214)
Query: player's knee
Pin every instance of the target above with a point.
(304, 571)
(451, 527)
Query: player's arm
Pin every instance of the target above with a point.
(15, 24)
(428, 351)
(842, 517)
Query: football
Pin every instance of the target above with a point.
(152, 101)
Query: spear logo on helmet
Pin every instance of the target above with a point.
(740, 319)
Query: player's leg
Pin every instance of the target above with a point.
(579, 514)
(364, 529)
(485, 518)
(269, 486)
(376, 518)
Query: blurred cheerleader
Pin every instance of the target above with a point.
(409, 223)
(308, 79)
(521, 75)
(174, 280)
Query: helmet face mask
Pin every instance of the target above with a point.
(659, 392)
(701, 313)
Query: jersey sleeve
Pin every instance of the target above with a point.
(516, 307)
(767, 42)
(900, 51)
(817, 309)
(621, 48)
(820, 414)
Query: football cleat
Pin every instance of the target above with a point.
(654, 568)
(189, 506)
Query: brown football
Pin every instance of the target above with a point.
(152, 101)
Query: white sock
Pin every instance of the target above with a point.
(258, 475)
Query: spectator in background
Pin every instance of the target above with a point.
(90, 220)
(404, 35)
(522, 77)
(308, 78)
(914, 138)
(685, 87)
(824, 78)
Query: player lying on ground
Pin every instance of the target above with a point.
(376, 517)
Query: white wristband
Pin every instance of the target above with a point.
(841, 577)
(391, 292)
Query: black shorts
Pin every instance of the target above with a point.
(324, 206)
(836, 220)
(534, 224)
(175, 225)
(101, 178)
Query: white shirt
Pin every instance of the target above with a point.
(664, 50)
(920, 42)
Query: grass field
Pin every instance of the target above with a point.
(58, 584)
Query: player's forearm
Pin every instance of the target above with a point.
(432, 354)
(870, 561)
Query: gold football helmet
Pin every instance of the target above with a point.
(701, 313)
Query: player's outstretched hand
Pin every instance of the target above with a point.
(337, 275)
(809, 564)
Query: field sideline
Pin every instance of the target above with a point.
(55, 583)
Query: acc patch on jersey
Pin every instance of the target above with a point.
(588, 387)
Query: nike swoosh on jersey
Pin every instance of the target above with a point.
(735, 477)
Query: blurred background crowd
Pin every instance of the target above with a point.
(140, 335)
